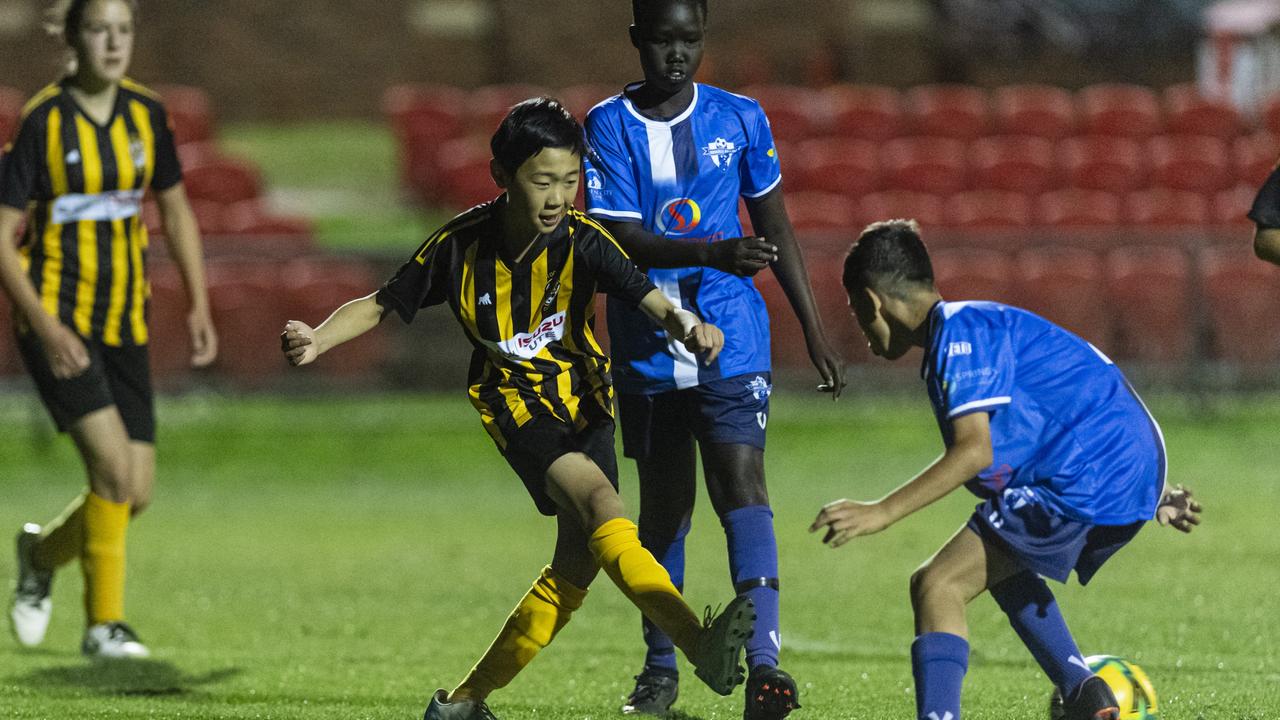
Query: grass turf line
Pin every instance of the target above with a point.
(341, 558)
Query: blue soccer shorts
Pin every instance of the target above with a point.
(729, 411)
(1045, 542)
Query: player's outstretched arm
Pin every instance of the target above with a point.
(1266, 244)
(1178, 508)
(743, 256)
(182, 233)
(700, 338)
(302, 344)
(967, 456)
(769, 218)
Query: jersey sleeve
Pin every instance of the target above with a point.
(1266, 206)
(759, 171)
(614, 272)
(610, 174)
(419, 283)
(168, 171)
(20, 166)
(974, 360)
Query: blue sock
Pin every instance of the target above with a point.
(670, 553)
(939, 661)
(1034, 614)
(753, 562)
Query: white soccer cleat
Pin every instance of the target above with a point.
(113, 641)
(32, 606)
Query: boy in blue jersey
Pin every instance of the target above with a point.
(668, 161)
(1041, 426)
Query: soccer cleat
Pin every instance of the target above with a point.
(441, 709)
(113, 641)
(1093, 700)
(771, 694)
(656, 691)
(32, 606)
(715, 661)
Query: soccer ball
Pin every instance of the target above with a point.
(1134, 692)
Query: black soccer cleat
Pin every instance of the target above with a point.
(771, 694)
(655, 692)
(1093, 700)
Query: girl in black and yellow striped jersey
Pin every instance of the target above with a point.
(88, 149)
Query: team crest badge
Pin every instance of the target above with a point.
(137, 152)
(721, 152)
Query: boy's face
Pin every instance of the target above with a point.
(670, 46)
(542, 189)
(886, 335)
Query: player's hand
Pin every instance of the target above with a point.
(743, 256)
(65, 351)
(298, 341)
(1179, 509)
(830, 366)
(847, 519)
(705, 338)
(204, 339)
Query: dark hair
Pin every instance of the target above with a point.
(889, 256)
(643, 11)
(65, 18)
(532, 126)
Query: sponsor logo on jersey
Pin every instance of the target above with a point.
(108, 205)
(721, 152)
(527, 345)
(485, 299)
(137, 152)
(959, 348)
(73, 157)
(595, 181)
(679, 217)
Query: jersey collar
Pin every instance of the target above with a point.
(626, 102)
(934, 319)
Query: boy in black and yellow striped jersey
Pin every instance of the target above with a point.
(520, 274)
(88, 149)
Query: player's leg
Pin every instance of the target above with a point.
(940, 590)
(142, 483)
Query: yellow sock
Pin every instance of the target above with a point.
(62, 540)
(102, 561)
(540, 614)
(616, 546)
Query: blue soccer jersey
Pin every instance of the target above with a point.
(1065, 424)
(682, 179)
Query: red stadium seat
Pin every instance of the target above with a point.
(579, 99)
(465, 178)
(1100, 162)
(795, 113)
(426, 113)
(925, 208)
(1231, 207)
(955, 111)
(988, 209)
(170, 337)
(1065, 285)
(11, 102)
(1242, 295)
(1038, 110)
(1165, 207)
(1073, 207)
(249, 309)
(1271, 115)
(1148, 287)
(210, 216)
(974, 274)
(488, 105)
(1118, 109)
(1012, 162)
(847, 166)
(250, 228)
(813, 210)
(225, 181)
(198, 153)
(923, 164)
(788, 344)
(190, 112)
(1254, 157)
(314, 288)
(1187, 112)
(1190, 162)
(870, 112)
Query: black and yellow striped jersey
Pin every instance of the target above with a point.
(83, 184)
(530, 322)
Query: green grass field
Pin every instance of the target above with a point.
(342, 558)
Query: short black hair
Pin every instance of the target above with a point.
(890, 257)
(643, 11)
(532, 126)
(65, 18)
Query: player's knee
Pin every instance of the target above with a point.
(110, 478)
(928, 584)
(601, 505)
